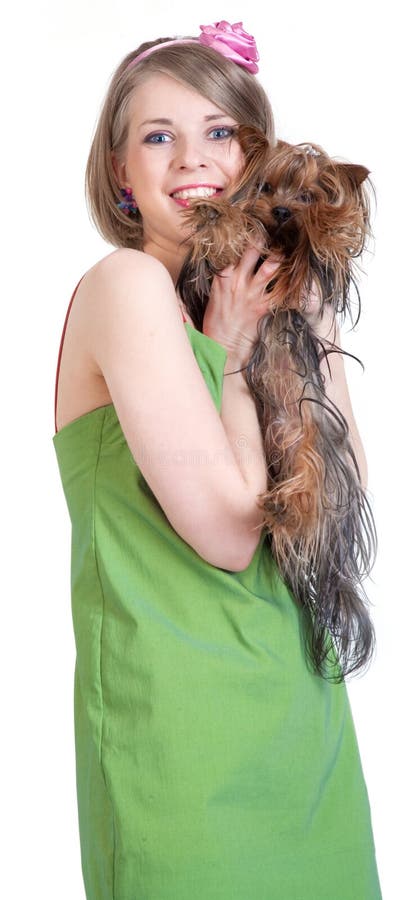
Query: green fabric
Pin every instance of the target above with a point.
(211, 763)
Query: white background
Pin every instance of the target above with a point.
(338, 74)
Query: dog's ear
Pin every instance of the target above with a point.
(256, 149)
(253, 141)
(283, 145)
(357, 174)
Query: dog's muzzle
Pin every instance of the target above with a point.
(281, 214)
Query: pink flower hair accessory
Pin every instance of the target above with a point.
(232, 41)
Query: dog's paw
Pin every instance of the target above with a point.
(203, 213)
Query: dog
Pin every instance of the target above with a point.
(312, 213)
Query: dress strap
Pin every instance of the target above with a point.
(62, 344)
(60, 351)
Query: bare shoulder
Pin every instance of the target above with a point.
(127, 258)
(121, 267)
(125, 289)
(125, 273)
(127, 292)
(112, 300)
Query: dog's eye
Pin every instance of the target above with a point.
(306, 197)
(266, 188)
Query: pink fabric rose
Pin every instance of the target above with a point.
(233, 42)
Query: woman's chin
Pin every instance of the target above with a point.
(186, 232)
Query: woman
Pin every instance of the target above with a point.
(211, 762)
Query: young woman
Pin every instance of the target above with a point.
(211, 762)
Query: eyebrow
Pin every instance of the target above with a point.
(170, 122)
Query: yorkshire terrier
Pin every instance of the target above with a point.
(313, 214)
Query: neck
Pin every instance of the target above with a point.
(172, 257)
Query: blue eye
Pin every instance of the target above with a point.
(151, 138)
(228, 132)
(161, 138)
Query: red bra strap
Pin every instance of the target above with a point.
(61, 346)
(60, 352)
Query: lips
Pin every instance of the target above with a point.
(189, 187)
(185, 201)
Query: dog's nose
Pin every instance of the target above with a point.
(281, 213)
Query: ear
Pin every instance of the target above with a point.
(283, 145)
(119, 168)
(357, 174)
(253, 141)
(256, 149)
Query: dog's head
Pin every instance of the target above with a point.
(316, 213)
(304, 189)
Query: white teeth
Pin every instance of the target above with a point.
(195, 192)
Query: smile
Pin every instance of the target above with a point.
(202, 191)
(183, 195)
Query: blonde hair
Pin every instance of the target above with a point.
(206, 71)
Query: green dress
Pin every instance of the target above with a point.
(211, 763)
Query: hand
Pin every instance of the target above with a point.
(237, 301)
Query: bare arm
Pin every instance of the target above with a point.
(140, 346)
(236, 302)
(242, 427)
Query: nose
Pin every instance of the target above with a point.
(281, 214)
(190, 154)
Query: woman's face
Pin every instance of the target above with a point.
(177, 141)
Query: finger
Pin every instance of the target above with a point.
(269, 268)
(229, 270)
(248, 261)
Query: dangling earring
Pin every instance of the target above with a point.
(128, 204)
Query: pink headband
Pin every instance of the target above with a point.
(230, 40)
